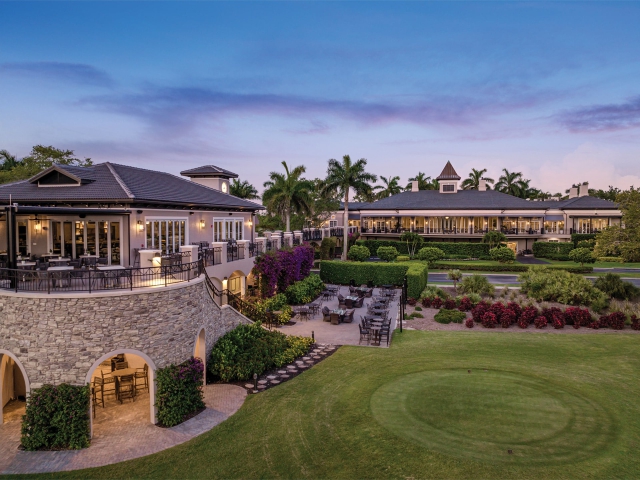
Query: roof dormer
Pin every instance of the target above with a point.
(56, 176)
(448, 179)
(211, 176)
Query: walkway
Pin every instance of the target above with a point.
(344, 333)
(121, 432)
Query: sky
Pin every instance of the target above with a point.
(551, 89)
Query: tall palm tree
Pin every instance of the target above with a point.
(390, 187)
(8, 161)
(243, 190)
(288, 193)
(473, 181)
(510, 183)
(424, 182)
(341, 178)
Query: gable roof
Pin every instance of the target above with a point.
(114, 183)
(208, 171)
(448, 173)
(579, 203)
(354, 205)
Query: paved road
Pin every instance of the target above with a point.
(441, 278)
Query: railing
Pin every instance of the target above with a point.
(336, 232)
(211, 256)
(235, 252)
(249, 310)
(312, 235)
(90, 280)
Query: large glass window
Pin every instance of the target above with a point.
(166, 235)
(225, 229)
(115, 242)
(79, 235)
(56, 238)
(91, 238)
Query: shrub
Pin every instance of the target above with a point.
(494, 238)
(508, 318)
(502, 255)
(430, 255)
(479, 310)
(328, 248)
(432, 291)
(436, 302)
(523, 323)
(450, 249)
(489, 320)
(57, 418)
(358, 253)
(469, 323)
(611, 259)
(529, 314)
(578, 317)
(614, 320)
(282, 268)
(417, 315)
(545, 284)
(250, 349)
(508, 267)
(387, 254)
(449, 304)
(577, 238)
(465, 304)
(540, 322)
(595, 325)
(581, 255)
(589, 244)
(426, 302)
(476, 284)
(448, 316)
(455, 276)
(402, 258)
(516, 309)
(305, 290)
(635, 322)
(544, 249)
(412, 301)
(179, 391)
(418, 309)
(615, 287)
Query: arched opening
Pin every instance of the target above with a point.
(14, 388)
(122, 391)
(200, 351)
(237, 283)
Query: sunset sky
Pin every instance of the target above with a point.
(550, 89)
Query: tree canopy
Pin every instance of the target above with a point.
(243, 190)
(472, 182)
(39, 159)
(288, 193)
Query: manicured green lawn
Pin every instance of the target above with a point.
(597, 264)
(566, 405)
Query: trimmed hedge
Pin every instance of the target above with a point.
(179, 391)
(379, 273)
(506, 268)
(580, 237)
(462, 249)
(544, 249)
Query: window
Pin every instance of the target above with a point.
(333, 223)
(448, 188)
(166, 235)
(225, 229)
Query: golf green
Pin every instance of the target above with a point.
(492, 416)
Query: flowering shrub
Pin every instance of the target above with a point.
(540, 322)
(426, 302)
(465, 304)
(57, 417)
(469, 323)
(436, 302)
(489, 320)
(412, 301)
(615, 320)
(278, 270)
(179, 391)
(507, 318)
(558, 323)
(522, 323)
(635, 322)
(250, 349)
(449, 304)
(479, 310)
(529, 314)
(576, 316)
(595, 325)
(516, 309)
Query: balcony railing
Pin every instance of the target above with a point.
(235, 252)
(452, 231)
(211, 256)
(102, 278)
(313, 235)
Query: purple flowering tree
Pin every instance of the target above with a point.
(278, 270)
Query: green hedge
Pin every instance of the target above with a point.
(580, 237)
(544, 249)
(506, 268)
(462, 249)
(179, 391)
(57, 418)
(379, 273)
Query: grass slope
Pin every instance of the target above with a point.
(566, 404)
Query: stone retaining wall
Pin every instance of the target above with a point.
(58, 338)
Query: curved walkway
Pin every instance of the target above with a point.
(123, 441)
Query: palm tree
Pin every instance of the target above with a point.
(389, 188)
(424, 183)
(243, 190)
(510, 183)
(341, 178)
(8, 161)
(473, 181)
(288, 193)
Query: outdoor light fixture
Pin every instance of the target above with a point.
(37, 227)
(140, 226)
(224, 283)
(157, 260)
(202, 223)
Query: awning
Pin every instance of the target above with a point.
(354, 216)
(554, 218)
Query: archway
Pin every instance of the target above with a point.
(14, 387)
(114, 400)
(237, 283)
(200, 350)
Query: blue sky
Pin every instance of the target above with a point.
(551, 89)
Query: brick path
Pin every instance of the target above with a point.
(121, 432)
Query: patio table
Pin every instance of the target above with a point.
(110, 279)
(376, 335)
(25, 265)
(59, 260)
(352, 298)
(63, 279)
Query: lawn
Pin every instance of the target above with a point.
(597, 264)
(437, 405)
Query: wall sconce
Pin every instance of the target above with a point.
(202, 223)
(250, 223)
(224, 283)
(157, 260)
(37, 227)
(140, 226)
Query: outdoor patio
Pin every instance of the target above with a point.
(343, 333)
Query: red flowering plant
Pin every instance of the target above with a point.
(516, 309)
(552, 313)
(578, 317)
(615, 320)
(465, 304)
(426, 302)
(603, 321)
(449, 304)
(540, 322)
(412, 301)
(507, 318)
(595, 325)
(522, 323)
(469, 323)
(436, 302)
(497, 309)
(635, 322)
(489, 320)
(479, 310)
(529, 314)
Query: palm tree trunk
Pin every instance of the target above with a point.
(345, 224)
(288, 221)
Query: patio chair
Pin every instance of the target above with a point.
(143, 374)
(365, 333)
(340, 299)
(326, 314)
(369, 293)
(104, 386)
(348, 317)
(335, 319)
(352, 289)
(126, 387)
(348, 302)
(385, 331)
(358, 303)
(122, 365)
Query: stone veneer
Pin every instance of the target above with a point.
(58, 338)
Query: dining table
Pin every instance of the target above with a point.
(59, 261)
(376, 334)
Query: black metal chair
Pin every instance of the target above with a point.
(365, 333)
(126, 387)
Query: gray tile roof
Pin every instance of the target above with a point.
(476, 200)
(209, 170)
(113, 183)
(354, 205)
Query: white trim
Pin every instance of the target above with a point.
(152, 380)
(24, 376)
(204, 348)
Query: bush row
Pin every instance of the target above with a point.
(507, 268)
(459, 250)
(250, 349)
(179, 391)
(305, 290)
(576, 238)
(544, 249)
